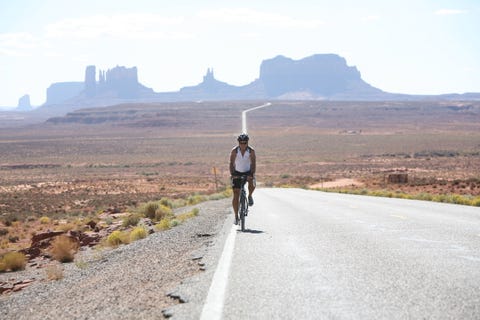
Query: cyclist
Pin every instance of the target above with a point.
(242, 163)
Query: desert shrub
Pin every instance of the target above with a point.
(177, 203)
(4, 243)
(187, 215)
(195, 199)
(458, 199)
(114, 238)
(13, 261)
(174, 223)
(44, 220)
(13, 239)
(117, 237)
(138, 233)
(149, 208)
(166, 202)
(3, 232)
(64, 248)
(363, 191)
(476, 202)
(162, 212)
(219, 195)
(131, 220)
(439, 198)
(54, 272)
(164, 224)
(65, 227)
(424, 196)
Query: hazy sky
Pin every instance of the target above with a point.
(404, 46)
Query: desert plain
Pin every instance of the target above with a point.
(78, 165)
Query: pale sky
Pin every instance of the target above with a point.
(404, 46)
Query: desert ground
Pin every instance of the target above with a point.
(122, 156)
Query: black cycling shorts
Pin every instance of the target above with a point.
(237, 181)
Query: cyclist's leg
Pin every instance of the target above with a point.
(236, 185)
(235, 201)
(251, 188)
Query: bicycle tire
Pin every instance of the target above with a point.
(243, 202)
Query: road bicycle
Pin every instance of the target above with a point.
(243, 205)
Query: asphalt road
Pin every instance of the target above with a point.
(315, 255)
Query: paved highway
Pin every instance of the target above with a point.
(315, 255)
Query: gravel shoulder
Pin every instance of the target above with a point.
(142, 280)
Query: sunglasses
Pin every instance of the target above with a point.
(243, 142)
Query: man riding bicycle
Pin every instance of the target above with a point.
(242, 163)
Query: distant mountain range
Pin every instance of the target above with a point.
(318, 77)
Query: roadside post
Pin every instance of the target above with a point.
(214, 170)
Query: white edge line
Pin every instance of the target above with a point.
(213, 307)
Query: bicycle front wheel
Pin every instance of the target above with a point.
(243, 207)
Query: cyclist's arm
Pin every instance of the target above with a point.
(233, 155)
(253, 163)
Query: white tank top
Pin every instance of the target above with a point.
(242, 163)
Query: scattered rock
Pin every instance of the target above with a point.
(85, 238)
(6, 287)
(92, 224)
(39, 242)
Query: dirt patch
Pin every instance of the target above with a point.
(337, 183)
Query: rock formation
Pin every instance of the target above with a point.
(24, 103)
(62, 91)
(90, 82)
(318, 77)
(120, 80)
(322, 76)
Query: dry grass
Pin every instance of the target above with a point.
(13, 261)
(138, 233)
(64, 248)
(188, 215)
(164, 224)
(118, 237)
(54, 271)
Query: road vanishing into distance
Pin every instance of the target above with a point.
(315, 255)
